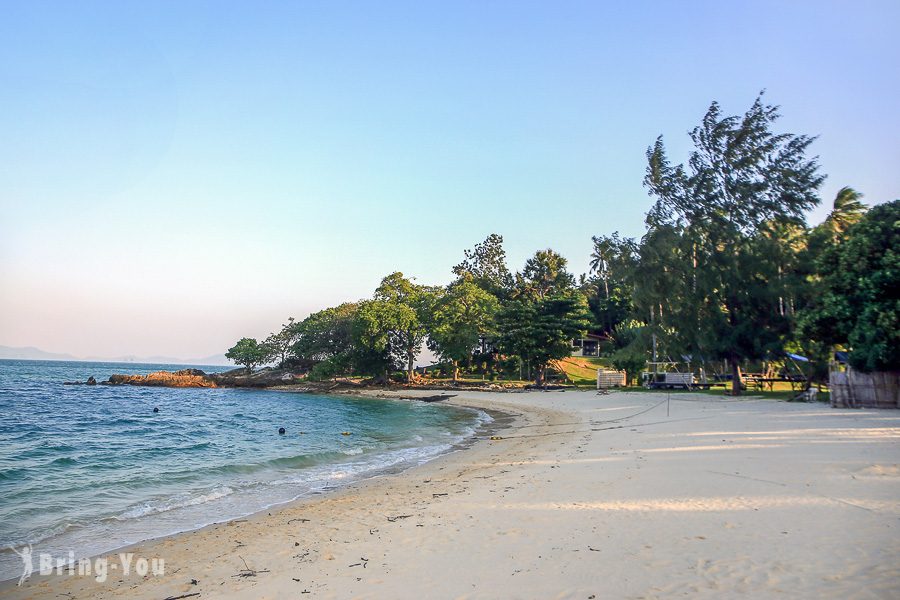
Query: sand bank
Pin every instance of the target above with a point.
(585, 496)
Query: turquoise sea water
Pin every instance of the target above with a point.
(92, 468)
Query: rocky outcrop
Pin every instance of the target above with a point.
(263, 378)
(185, 378)
(196, 378)
(90, 381)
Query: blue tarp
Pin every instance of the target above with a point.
(797, 357)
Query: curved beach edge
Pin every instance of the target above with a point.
(627, 494)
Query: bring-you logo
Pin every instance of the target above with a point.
(99, 568)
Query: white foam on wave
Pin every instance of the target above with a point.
(153, 507)
(238, 498)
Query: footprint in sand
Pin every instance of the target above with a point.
(880, 471)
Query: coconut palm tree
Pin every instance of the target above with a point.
(847, 210)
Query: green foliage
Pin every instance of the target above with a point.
(373, 325)
(630, 343)
(544, 275)
(249, 353)
(721, 273)
(486, 264)
(458, 318)
(326, 336)
(279, 344)
(715, 239)
(611, 290)
(328, 369)
(406, 307)
(541, 330)
(858, 293)
(847, 210)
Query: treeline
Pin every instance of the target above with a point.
(529, 318)
(728, 272)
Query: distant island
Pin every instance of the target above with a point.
(32, 353)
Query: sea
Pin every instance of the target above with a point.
(89, 469)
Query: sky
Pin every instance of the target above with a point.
(177, 175)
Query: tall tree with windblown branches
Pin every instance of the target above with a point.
(743, 183)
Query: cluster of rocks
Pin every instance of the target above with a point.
(196, 378)
(182, 378)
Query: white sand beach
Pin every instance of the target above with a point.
(586, 496)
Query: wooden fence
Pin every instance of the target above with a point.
(855, 389)
(608, 379)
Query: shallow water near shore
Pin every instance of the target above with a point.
(88, 469)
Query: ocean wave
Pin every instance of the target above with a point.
(11, 474)
(246, 417)
(153, 507)
(43, 535)
(116, 477)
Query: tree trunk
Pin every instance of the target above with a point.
(735, 377)
(455, 370)
(541, 372)
(410, 370)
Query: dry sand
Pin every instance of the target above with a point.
(586, 496)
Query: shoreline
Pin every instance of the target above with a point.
(497, 421)
(500, 421)
(584, 494)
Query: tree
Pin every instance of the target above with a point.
(542, 330)
(326, 338)
(847, 210)
(611, 291)
(280, 344)
(249, 353)
(857, 303)
(374, 331)
(659, 281)
(459, 318)
(742, 183)
(408, 302)
(630, 354)
(486, 264)
(544, 275)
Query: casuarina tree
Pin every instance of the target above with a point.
(742, 182)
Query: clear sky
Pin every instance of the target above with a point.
(176, 175)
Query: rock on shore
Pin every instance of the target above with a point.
(196, 378)
(183, 378)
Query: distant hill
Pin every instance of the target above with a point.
(32, 353)
(215, 359)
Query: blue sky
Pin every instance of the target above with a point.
(175, 175)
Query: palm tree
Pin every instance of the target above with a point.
(600, 259)
(848, 209)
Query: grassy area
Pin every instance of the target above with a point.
(579, 370)
(582, 372)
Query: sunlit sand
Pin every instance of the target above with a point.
(753, 497)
